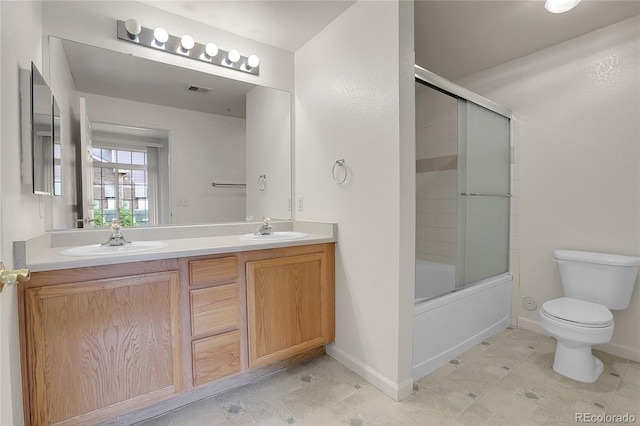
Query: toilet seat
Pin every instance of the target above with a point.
(577, 313)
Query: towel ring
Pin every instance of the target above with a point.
(342, 164)
(262, 183)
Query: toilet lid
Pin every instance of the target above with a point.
(578, 311)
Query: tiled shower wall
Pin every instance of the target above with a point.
(436, 206)
(436, 176)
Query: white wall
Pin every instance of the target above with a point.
(22, 212)
(203, 148)
(576, 123)
(23, 25)
(355, 100)
(268, 153)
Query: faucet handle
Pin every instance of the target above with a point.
(115, 225)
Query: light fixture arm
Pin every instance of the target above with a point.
(175, 46)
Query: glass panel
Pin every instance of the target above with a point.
(487, 154)
(124, 157)
(139, 158)
(486, 238)
(483, 175)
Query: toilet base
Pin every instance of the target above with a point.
(577, 362)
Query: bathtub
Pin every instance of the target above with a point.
(433, 279)
(445, 327)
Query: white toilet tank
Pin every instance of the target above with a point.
(607, 279)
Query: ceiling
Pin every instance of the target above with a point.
(457, 38)
(118, 75)
(287, 24)
(453, 38)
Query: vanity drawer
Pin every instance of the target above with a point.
(214, 309)
(213, 270)
(216, 357)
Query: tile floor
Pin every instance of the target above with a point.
(506, 380)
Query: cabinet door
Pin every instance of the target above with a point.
(289, 305)
(100, 348)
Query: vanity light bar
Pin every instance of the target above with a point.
(172, 44)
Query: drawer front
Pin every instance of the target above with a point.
(213, 270)
(214, 309)
(216, 357)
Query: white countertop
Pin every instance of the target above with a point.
(38, 257)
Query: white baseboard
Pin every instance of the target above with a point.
(531, 325)
(397, 391)
(611, 348)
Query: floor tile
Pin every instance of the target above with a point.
(309, 399)
(506, 380)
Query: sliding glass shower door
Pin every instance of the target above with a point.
(483, 193)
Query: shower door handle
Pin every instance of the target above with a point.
(484, 194)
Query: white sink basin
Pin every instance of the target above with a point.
(99, 250)
(275, 236)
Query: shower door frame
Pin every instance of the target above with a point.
(447, 87)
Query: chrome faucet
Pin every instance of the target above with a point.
(116, 239)
(265, 229)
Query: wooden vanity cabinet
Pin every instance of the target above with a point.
(100, 341)
(134, 340)
(215, 312)
(290, 302)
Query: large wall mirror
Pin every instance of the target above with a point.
(160, 144)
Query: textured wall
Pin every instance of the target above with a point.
(577, 154)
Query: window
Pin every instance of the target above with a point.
(121, 186)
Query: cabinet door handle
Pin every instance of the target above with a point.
(13, 276)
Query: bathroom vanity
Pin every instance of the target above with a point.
(130, 337)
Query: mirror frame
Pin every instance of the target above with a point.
(41, 156)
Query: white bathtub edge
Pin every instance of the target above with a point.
(397, 391)
(426, 367)
(447, 326)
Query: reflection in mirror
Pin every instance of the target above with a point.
(128, 166)
(57, 151)
(161, 135)
(41, 133)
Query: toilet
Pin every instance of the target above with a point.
(594, 284)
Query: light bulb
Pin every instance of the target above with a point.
(161, 35)
(211, 50)
(233, 56)
(560, 6)
(253, 61)
(187, 42)
(133, 28)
